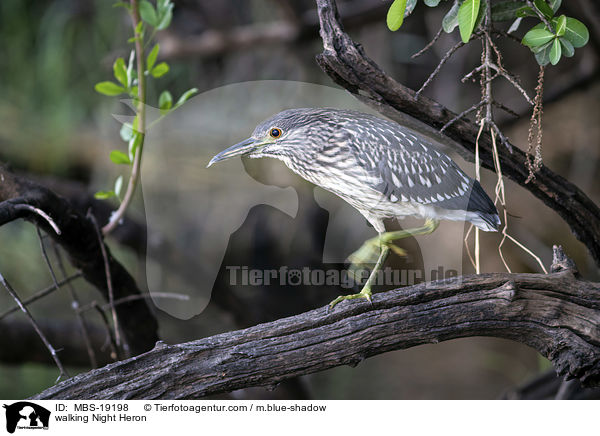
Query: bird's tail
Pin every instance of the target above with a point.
(482, 211)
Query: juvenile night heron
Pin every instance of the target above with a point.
(381, 168)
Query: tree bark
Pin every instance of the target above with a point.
(347, 64)
(79, 239)
(556, 314)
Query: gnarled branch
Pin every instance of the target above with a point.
(78, 238)
(556, 314)
(346, 63)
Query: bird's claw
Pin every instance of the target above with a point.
(365, 293)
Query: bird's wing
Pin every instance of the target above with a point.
(410, 170)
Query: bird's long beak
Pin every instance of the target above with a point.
(239, 149)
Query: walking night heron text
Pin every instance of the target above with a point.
(381, 168)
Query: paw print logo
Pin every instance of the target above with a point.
(294, 277)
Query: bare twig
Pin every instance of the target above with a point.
(75, 305)
(53, 353)
(444, 59)
(165, 295)
(111, 294)
(46, 259)
(39, 212)
(429, 45)
(534, 137)
(110, 338)
(42, 293)
(463, 114)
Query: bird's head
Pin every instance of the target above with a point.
(286, 133)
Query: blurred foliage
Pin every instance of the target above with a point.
(550, 39)
(51, 52)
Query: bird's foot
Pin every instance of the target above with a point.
(365, 293)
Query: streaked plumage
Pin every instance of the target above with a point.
(379, 167)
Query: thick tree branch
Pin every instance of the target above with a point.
(346, 63)
(78, 238)
(556, 314)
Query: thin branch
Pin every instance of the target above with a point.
(42, 293)
(429, 45)
(46, 259)
(40, 212)
(13, 294)
(110, 338)
(463, 114)
(75, 306)
(165, 295)
(141, 114)
(444, 59)
(109, 284)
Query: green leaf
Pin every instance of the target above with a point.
(122, 5)
(151, 60)
(554, 4)
(467, 16)
(525, 12)
(555, 52)
(186, 96)
(109, 88)
(165, 14)
(537, 37)
(561, 25)
(118, 185)
(543, 7)
(120, 158)
(576, 33)
(139, 28)
(126, 132)
(395, 15)
(160, 70)
(481, 14)
(567, 48)
(130, 68)
(148, 13)
(432, 3)
(120, 71)
(103, 195)
(410, 6)
(543, 56)
(506, 10)
(134, 144)
(540, 48)
(450, 20)
(165, 102)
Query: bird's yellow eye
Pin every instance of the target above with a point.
(275, 133)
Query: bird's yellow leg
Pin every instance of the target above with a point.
(384, 242)
(427, 228)
(366, 290)
(367, 253)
